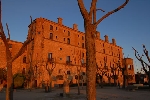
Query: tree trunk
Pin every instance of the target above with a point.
(78, 85)
(9, 89)
(149, 81)
(90, 31)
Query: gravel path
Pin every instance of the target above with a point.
(106, 93)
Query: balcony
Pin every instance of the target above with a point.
(68, 62)
(51, 60)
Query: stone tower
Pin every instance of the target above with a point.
(128, 63)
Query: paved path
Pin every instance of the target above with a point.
(106, 93)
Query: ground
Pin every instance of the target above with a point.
(106, 93)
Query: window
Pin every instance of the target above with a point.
(60, 58)
(56, 37)
(32, 46)
(82, 54)
(51, 36)
(24, 59)
(51, 27)
(68, 59)
(68, 41)
(23, 71)
(103, 50)
(68, 72)
(68, 33)
(64, 30)
(60, 48)
(64, 39)
(103, 45)
(56, 28)
(83, 73)
(82, 45)
(38, 32)
(59, 71)
(49, 55)
(82, 37)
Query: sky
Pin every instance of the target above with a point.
(130, 26)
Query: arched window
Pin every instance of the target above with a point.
(51, 36)
(51, 27)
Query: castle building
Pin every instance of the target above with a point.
(58, 52)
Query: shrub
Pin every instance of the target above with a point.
(18, 80)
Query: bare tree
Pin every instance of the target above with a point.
(101, 71)
(90, 25)
(10, 59)
(123, 70)
(50, 71)
(143, 63)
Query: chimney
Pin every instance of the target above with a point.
(97, 35)
(75, 26)
(113, 41)
(60, 21)
(106, 38)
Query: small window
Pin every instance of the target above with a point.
(24, 59)
(103, 45)
(83, 73)
(38, 32)
(51, 36)
(49, 55)
(56, 37)
(68, 59)
(82, 45)
(51, 27)
(23, 71)
(56, 28)
(64, 30)
(64, 39)
(68, 72)
(68, 33)
(60, 58)
(78, 35)
(60, 48)
(82, 54)
(68, 41)
(103, 50)
(82, 37)
(59, 71)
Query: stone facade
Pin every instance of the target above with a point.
(62, 47)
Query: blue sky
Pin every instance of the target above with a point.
(130, 26)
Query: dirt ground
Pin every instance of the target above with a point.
(106, 93)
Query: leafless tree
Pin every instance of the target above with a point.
(10, 59)
(123, 70)
(101, 71)
(144, 63)
(50, 70)
(90, 25)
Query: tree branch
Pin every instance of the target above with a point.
(83, 9)
(23, 48)
(93, 10)
(146, 53)
(3, 37)
(111, 12)
(8, 32)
